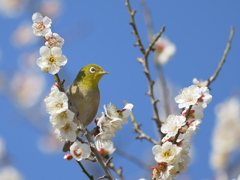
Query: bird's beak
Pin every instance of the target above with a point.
(102, 72)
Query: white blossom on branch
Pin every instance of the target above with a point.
(51, 59)
(41, 25)
(80, 151)
(67, 132)
(56, 102)
(53, 40)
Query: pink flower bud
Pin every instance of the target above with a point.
(68, 157)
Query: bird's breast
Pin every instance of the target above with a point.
(86, 102)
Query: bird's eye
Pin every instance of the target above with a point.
(92, 70)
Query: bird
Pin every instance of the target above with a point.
(84, 94)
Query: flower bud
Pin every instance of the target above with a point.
(68, 157)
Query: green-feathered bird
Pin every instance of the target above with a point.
(84, 94)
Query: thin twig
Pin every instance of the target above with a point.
(165, 95)
(104, 177)
(137, 129)
(118, 172)
(144, 62)
(91, 159)
(108, 161)
(149, 49)
(225, 53)
(84, 170)
(81, 140)
(57, 79)
(135, 31)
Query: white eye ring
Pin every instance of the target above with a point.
(92, 70)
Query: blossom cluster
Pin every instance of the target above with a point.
(172, 156)
(109, 122)
(51, 54)
(61, 117)
(64, 122)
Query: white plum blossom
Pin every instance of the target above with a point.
(60, 119)
(172, 125)
(105, 148)
(56, 102)
(181, 164)
(112, 111)
(196, 112)
(168, 152)
(107, 127)
(194, 124)
(164, 50)
(80, 151)
(199, 83)
(205, 98)
(53, 40)
(162, 171)
(107, 124)
(126, 111)
(111, 121)
(51, 59)
(67, 132)
(189, 96)
(41, 25)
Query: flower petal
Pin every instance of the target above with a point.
(45, 51)
(47, 21)
(37, 17)
(62, 60)
(56, 51)
(156, 149)
(53, 69)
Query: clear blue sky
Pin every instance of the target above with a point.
(99, 32)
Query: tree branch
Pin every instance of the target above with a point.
(137, 129)
(84, 170)
(135, 31)
(213, 77)
(118, 172)
(144, 62)
(165, 96)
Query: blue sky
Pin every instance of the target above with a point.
(98, 32)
